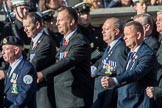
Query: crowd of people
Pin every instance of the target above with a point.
(53, 57)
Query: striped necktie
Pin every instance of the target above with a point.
(130, 59)
(9, 71)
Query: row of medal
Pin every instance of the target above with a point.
(109, 65)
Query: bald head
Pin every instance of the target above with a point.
(112, 29)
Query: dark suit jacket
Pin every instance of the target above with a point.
(158, 94)
(159, 59)
(152, 42)
(118, 54)
(158, 89)
(135, 79)
(72, 81)
(43, 56)
(44, 52)
(25, 96)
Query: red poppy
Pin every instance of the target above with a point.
(65, 43)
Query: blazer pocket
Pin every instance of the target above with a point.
(68, 83)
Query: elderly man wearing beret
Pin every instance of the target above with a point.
(20, 78)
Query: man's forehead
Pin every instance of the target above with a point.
(106, 24)
(130, 27)
(26, 21)
(7, 45)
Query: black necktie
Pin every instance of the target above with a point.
(62, 42)
(31, 44)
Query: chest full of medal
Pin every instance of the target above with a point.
(109, 66)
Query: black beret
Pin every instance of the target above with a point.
(12, 40)
(82, 7)
(48, 15)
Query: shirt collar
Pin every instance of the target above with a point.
(136, 49)
(35, 39)
(15, 63)
(70, 34)
(114, 42)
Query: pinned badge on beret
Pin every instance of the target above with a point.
(4, 41)
(12, 40)
(27, 79)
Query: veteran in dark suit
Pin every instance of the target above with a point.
(20, 79)
(72, 81)
(138, 73)
(111, 63)
(148, 22)
(159, 52)
(156, 92)
(94, 34)
(42, 54)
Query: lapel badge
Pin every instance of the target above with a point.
(35, 46)
(92, 45)
(65, 42)
(14, 78)
(135, 58)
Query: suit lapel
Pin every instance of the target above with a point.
(136, 56)
(33, 48)
(64, 48)
(113, 49)
(108, 56)
(17, 72)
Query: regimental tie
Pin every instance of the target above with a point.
(8, 74)
(130, 59)
(9, 71)
(106, 52)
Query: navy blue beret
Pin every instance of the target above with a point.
(12, 40)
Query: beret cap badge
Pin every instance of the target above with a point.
(4, 41)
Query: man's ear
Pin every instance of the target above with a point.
(135, 7)
(37, 24)
(139, 35)
(17, 50)
(72, 22)
(117, 31)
